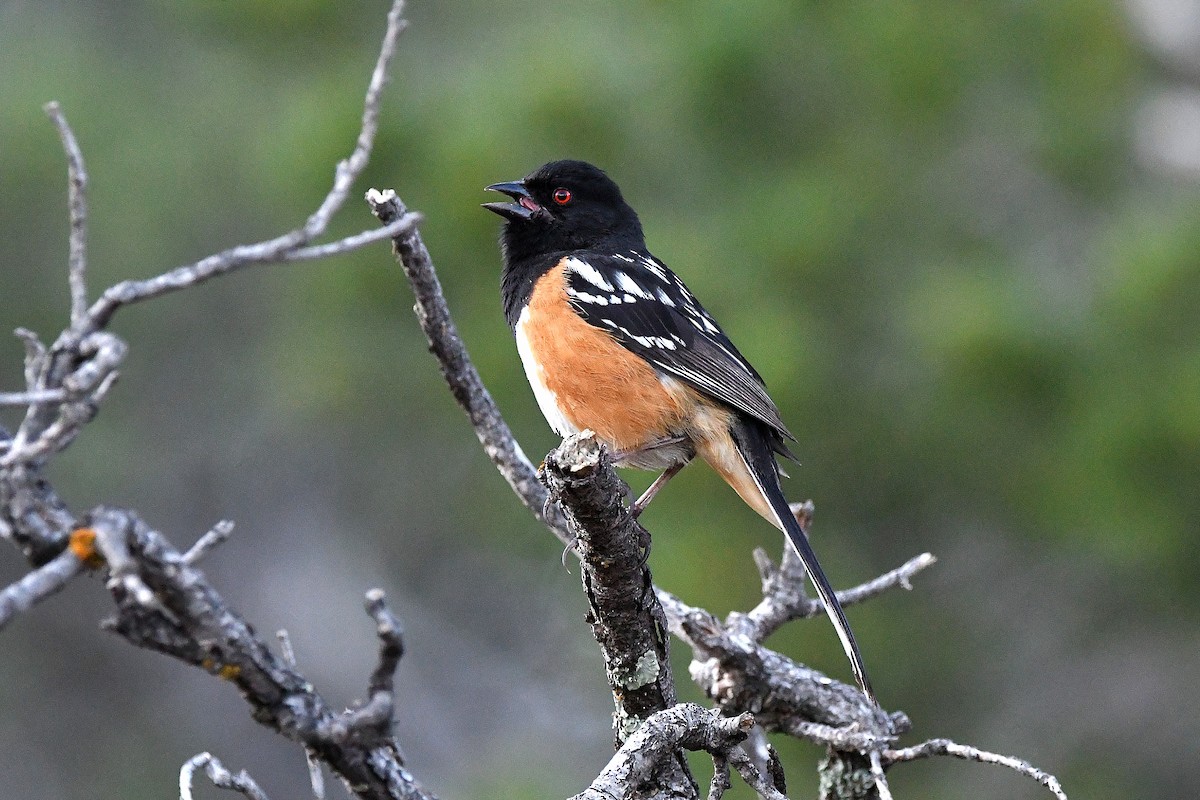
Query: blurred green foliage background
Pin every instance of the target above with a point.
(960, 241)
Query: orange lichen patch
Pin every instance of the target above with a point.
(226, 671)
(597, 383)
(83, 544)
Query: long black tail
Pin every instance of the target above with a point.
(753, 440)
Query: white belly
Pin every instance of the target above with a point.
(547, 401)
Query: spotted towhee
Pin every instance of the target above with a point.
(613, 341)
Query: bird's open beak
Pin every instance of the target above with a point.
(523, 209)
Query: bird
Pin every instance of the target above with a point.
(613, 341)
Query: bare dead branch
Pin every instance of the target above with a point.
(349, 169)
(881, 784)
(77, 181)
(221, 778)
(945, 747)
(403, 225)
(391, 642)
(785, 599)
(35, 354)
(165, 604)
(84, 386)
(35, 397)
(278, 248)
(847, 776)
(82, 363)
(285, 646)
(214, 538)
(740, 675)
(753, 777)
(626, 619)
(32, 515)
(721, 781)
(316, 777)
(376, 714)
(900, 577)
(459, 372)
(843, 739)
(37, 586)
(687, 726)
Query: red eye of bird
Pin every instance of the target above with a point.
(562, 196)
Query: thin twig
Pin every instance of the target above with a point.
(349, 169)
(460, 374)
(278, 248)
(720, 782)
(945, 747)
(37, 586)
(218, 535)
(686, 726)
(900, 577)
(784, 598)
(376, 714)
(756, 780)
(40, 434)
(77, 181)
(285, 646)
(221, 777)
(34, 397)
(881, 784)
(358, 240)
(112, 528)
(391, 642)
(845, 739)
(316, 778)
(35, 354)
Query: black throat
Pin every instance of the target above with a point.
(518, 278)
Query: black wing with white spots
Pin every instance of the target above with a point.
(650, 311)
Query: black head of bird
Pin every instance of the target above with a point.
(564, 206)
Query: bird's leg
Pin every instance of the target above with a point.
(640, 504)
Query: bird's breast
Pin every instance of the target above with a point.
(584, 378)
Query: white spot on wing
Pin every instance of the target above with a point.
(584, 297)
(655, 268)
(630, 285)
(589, 274)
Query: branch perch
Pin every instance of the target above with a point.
(625, 616)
